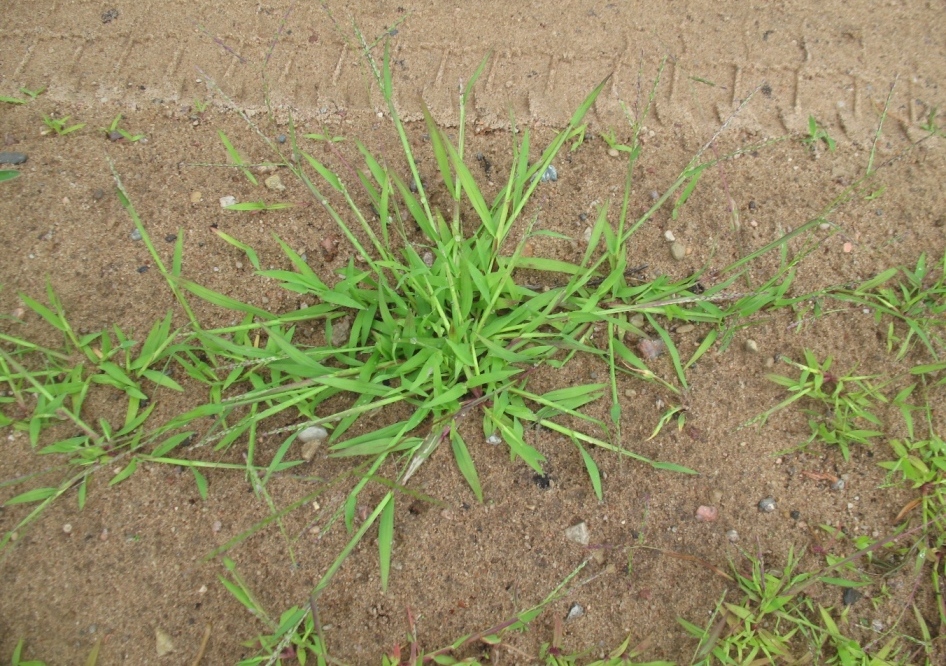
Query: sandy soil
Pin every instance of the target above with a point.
(135, 561)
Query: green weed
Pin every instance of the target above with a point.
(114, 128)
(916, 303)
(818, 134)
(847, 403)
(31, 94)
(61, 126)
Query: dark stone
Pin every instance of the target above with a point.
(850, 596)
(12, 158)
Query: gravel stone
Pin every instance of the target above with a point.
(313, 434)
(578, 533)
(12, 158)
(767, 505)
(707, 514)
(274, 182)
(752, 346)
(135, 234)
(574, 612)
(733, 536)
(550, 175)
(678, 250)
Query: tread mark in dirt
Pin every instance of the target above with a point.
(540, 86)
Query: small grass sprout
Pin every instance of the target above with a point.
(61, 126)
(31, 94)
(818, 134)
(114, 131)
(846, 403)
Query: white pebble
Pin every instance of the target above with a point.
(313, 433)
(67, 528)
(669, 235)
(227, 201)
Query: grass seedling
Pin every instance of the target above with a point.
(199, 106)
(847, 403)
(917, 301)
(31, 94)
(61, 126)
(818, 134)
(113, 131)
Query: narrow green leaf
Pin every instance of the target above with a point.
(35, 495)
(386, 541)
(125, 473)
(592, 468)
(465, 463)
(201, 481)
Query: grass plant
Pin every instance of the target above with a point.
(445, 317)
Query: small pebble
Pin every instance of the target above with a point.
(654, 194)
(678, 250)
(733, 536)
(136, 234)
(313, 433)
(707, 514)
(67, 528)
(196, 197)
(163, 643)
(824, 226)
(752, 346)
(115, 135)
(877, 625)
(494, 439)
(575, 612)
(669, 235)
(98, 194)
(795, 514)
(838, 485)
(686, 328)
(104, 535)
(217, 526)
(143, 269)
(613, 152)
(578, 533)
(12, 158)
(550, 175)
(650, 349)
(274, 182)
(848, 248)
(850, 596)
(170, 238)
(767, 505)
(309, 449)
(281, 138)
(227, 201)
